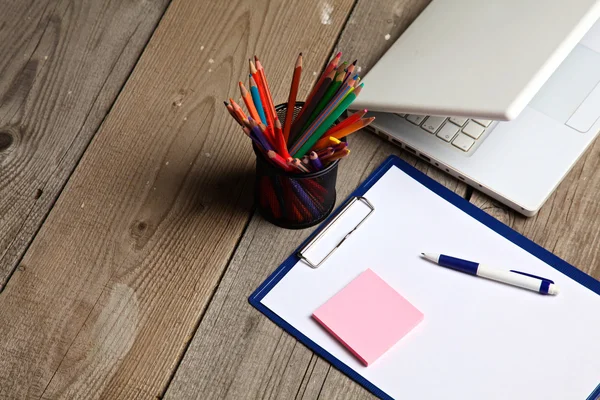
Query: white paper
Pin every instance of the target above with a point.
(479, 339)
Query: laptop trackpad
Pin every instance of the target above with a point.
(572, 94)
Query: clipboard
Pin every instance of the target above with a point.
(301, 259)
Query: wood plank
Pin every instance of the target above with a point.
(111, 289)
(567, 224)
(62, 66)
(236, 351)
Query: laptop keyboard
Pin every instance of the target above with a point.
(459, 132)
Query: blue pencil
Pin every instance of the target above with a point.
(256, 99)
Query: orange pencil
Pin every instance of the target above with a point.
(263, 93)
(289, 116)
(330, 67)
(249, 103)
(348, 121)
(358, 125)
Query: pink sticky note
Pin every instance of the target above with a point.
(368, 316)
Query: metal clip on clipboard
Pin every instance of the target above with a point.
(330, 238)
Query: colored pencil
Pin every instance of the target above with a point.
(348, 121)
(336, 156)
(324, 126)
(298, 165)
(304, 198)
(233, 114)
(248, 101)
(238, 110)
(259, 135)
(291, 105)
(280, 143)
(271, 196)
(360, 124)
(324, 152)
(278, 160)
(350, 69)
(261, 70)
(306, 134)
(257, 101)
(330, 67)
(263, 93)
(302, 118)
(315, 161)
(331, 91)
(353, 128)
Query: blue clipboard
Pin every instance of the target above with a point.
(491, 222)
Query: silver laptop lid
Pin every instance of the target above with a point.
(476, 58)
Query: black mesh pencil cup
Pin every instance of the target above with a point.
(293, 200)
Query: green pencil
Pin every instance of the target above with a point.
(331, 91)
(328, 122)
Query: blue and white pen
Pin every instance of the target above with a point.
(515, 278)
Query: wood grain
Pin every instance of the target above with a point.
(567, 224)
(62, 65)
(237, 353)
(111, 289)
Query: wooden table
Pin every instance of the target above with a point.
(128, 240)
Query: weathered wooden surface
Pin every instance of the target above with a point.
(62, 65)
(236, 351)
(110, 291)
(118, 280)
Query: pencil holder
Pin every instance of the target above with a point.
(293, 200)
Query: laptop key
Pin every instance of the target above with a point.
(401, 115)
(483, 122)
(432, 124)
(474, 130)
(447, 132)
(460, 121)
(416, 119)
(463, 142)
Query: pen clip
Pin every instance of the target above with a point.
(532, 276)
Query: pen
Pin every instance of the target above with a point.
(515, 278)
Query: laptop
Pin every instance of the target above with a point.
(502, 94)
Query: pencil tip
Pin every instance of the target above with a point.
(355, 61)
(300, 53)
(338, 55)
(226, 103)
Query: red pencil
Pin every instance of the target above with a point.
(280, 140)
(289, 116)
(261, 70)
(263, 93)
(348, 121)
(278, 160)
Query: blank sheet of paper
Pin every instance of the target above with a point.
(479, 339)
(368, 316)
